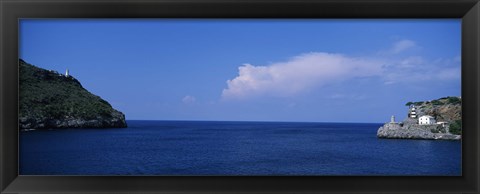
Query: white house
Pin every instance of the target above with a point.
(426, 120)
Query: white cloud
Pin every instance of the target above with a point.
(310, 71)
(411, 62)
(402, 45)
(416, 68)
(449, 74)
(301, 73)
(189, 99)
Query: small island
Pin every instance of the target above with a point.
(436, 119)
(50, 100)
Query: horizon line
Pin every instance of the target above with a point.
(267, 121)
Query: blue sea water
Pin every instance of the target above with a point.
(233, 148)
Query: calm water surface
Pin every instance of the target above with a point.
(233, 148)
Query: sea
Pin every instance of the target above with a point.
(198, 148)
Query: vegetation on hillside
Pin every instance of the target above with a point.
(456, 127)
(49, 95)
(441, 101)
(446, 109)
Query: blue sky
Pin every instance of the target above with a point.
(253, 70)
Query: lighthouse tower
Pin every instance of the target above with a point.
(392, 119)
(66, 73)
(413, 112)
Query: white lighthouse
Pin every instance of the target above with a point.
(66, 73)
(413, 112)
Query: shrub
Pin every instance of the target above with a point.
(454, 100)
(456, 127)
(437, 102)
(417, 103)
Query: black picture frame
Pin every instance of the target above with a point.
(12, 10)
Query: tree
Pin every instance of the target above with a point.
(454, 100)
(456, 127)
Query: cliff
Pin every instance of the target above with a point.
(49, 100)
(447, 109)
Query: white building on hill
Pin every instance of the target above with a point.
(426, 120)
(442, 123)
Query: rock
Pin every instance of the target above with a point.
(408, 131)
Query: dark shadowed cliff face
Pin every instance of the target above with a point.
(49, 100)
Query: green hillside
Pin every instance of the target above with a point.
(52, 100)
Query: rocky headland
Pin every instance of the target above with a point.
(446, 111)
(49, 100)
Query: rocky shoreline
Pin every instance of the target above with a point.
(434, 119)
(397, 131)
(29, 124)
